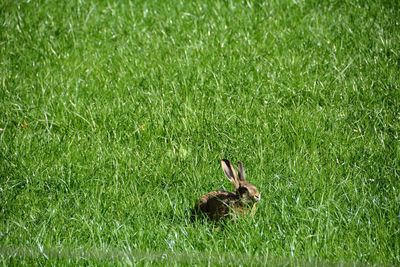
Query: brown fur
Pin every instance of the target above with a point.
(220, 204)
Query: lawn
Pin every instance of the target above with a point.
(115, 115)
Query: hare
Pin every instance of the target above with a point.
(220, 204)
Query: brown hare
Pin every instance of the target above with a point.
(221, 204)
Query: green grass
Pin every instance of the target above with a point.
(114, 117)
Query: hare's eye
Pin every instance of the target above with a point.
(243, 190)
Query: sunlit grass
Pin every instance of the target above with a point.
(115, 116)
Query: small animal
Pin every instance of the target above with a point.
(221, 204)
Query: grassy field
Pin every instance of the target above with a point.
(115, 114)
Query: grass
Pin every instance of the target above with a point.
(114, 116)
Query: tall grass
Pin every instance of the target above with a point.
(114, 116)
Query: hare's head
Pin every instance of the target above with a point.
(246, 191)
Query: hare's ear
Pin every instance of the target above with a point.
(230, 172)
(242, 174)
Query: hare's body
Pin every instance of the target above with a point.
(217, 204)
(220, 204)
